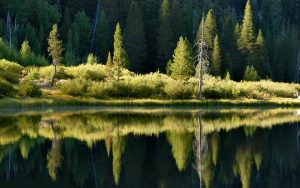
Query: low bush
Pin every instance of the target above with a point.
(10, 71)
(178, 90)
(6, 88)
(27, 89)
(95, 72)
(76, 87)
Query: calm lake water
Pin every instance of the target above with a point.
(149, 148)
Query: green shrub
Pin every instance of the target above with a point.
(88, 72)
(251, 74)
(28, 89)
(10, 71)
(6, 89)
(76, 87)
(178, 90)
(62, 73)
(33, 74)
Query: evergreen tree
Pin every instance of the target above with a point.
(165, 37)
(82, 31)
(91, 59)
(135, 41)
(260, 59)
(182, 67)
(247, 37)
(26, 53)
(25, 50)
(109, 67)
(216, 58)
(55, 49)
(210, 29)
(251, 74)
(120, 57)
(103, 39)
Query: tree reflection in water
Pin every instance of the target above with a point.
(151, 148)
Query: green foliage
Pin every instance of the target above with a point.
(135, 41)
(178, 90)
(6, 88)
(216, 58)
(10, 71)
(120, 56)
(210, 29)
(227, 76)
(165, 38)
(76, 87)
(169, 68)
(182, 67)
(260, 59)
(95, 72)
(55, 48)
(28, 58)
(251, 74)
(247, 38)
(28, 89)
(91, 59)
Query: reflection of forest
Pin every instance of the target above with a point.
(137, 147)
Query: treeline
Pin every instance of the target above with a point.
(263, 35)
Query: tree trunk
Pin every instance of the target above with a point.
(54, 74)
(95, 27)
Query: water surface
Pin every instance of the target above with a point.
(149, 147)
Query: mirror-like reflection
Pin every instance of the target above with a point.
(150, 148)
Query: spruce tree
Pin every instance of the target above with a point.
(135, 41)
(247, 37)
(165, 37)
(25, 50)
(260, 59)
(210, 29)
(103, 39)
(91, 59)
(182, 67)
(120, 57)
(216, 58)
(109, 67)
(81, 29)
(55, 49)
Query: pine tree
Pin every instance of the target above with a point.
(103, 39)
(210, 29)
(120, 56)
(109, 67)
(247, 37)
(251, 74)
(135, 41)
(25, 50)
(165, 37)
(216, 58)
(91, 59)
(182, 67)
(81, 29)
(260, 59)
(55, 49)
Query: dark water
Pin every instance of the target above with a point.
(165, 148)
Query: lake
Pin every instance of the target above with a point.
(149, 147)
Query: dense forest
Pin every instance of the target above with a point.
(264, 34)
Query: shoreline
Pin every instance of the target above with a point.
(9, 103)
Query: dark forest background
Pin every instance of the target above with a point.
(152, 28)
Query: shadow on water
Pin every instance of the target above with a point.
(153, 147)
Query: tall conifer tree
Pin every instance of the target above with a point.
(216, 58)
(165, 37)
(182, 67)
(135, 41)
(120, 57)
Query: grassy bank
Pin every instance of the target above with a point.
(76, 101)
